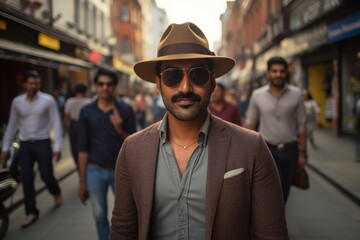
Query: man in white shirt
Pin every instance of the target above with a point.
(33, 114)
(72, 111)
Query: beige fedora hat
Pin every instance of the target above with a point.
(183, 41)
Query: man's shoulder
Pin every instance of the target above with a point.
(220, 125)
(294, 89)
(147, 134)
(20, 98)
(261, 90)
(46, 97)
(89, 107)
(122, 105)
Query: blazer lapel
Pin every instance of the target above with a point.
(148, 163)
(219, 143)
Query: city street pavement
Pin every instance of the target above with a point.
(322, 212)
(335, 160)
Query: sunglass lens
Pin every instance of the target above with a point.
(200, 76)
(171, 77)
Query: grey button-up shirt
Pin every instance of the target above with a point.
(281, 118)
(179, 206)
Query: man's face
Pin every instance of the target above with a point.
(277, 75)
(32, 86)
(105, 87)
(186, 101)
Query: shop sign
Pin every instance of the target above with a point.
(3, 25)
(48, 41)
(309, 10)
(345, 28)
(122, 66)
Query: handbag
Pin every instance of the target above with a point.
(301, 179)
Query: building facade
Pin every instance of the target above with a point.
(319, 39)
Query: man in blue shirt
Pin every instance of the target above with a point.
(104, 125)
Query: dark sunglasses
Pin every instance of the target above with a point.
(108, 84)
(197, 75)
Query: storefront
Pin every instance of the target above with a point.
(61, 63)
(345, 34)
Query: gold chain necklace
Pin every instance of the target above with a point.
(183, 147)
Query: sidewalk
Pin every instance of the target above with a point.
(70, 221)
(61, 169)
(334, 159)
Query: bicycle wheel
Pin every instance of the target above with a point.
(4, 220)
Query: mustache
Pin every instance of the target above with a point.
(187, 96)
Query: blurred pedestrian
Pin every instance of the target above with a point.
(159, 109)
(221, 108)
(73, 106)
(103, 126)
(34, 113)
(279, 109)
(196, 176)
(60, 101)
(312, 116)
(140, 109)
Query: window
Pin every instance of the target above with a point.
(86, 18)
(125, 12)
(125, 45)
(94, 18)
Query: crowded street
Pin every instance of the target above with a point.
(181, 119)
(322, 212)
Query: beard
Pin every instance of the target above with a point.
(190, 112)
(278, 82)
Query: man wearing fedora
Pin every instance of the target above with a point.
(196, 176)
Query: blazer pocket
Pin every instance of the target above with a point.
(233, 173)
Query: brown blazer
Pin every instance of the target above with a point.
(246, 206)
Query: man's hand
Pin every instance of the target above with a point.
(56, 156)
(116, 119)
(4, 156)
(83, 193)
(302, 161)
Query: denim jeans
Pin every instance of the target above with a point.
(98, 180)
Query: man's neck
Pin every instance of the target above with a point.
(105, 104)
(30, 97)
(276, 90)
(186, 131)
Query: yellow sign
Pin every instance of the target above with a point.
(48, 41)
(3, 25)
(122, 66)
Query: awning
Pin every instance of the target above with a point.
(123, 66)
(31, 54)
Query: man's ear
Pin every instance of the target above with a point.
(158, 84)
(213, 84)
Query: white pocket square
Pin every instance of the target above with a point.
(233, 173)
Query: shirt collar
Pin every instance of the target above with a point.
(285, 88)
(201, 137)
(36, 96)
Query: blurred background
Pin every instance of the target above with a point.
(67, 40)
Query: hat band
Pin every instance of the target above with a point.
(181, 48)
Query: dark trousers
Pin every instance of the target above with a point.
(286, 163)
(40, 151)
(74, 139)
